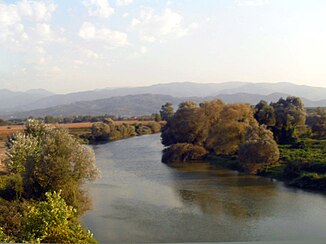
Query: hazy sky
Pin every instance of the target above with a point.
(68, 45)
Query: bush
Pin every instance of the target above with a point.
(183, 152)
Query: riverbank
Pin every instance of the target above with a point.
(80, 130)
(102, 132)
(299, 166)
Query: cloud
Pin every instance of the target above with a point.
(13, 29)
(99, 8)
(124, 2)
(246, 3)
(46, 33)
(90, 32)
(38, 10)
(78, 62)
(152, 27)
(55, 69)
(89, 54)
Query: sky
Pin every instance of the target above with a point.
(75, 45)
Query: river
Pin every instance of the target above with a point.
(140, 199)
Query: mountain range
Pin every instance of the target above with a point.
(148, 99)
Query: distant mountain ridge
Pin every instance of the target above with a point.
(10, 100)
(145, 104)
(36, 102)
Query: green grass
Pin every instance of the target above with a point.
(302, 165)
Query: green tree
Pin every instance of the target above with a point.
(265, 114)
(289, 116)
(167, 111)
(50, 159)
(317, 122)
(53, 221)
(259, 149)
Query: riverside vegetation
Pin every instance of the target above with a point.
(41, 194)
(108, 131)
(277, 139)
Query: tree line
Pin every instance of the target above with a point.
(108, 131)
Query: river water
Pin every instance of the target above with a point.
(140, 199)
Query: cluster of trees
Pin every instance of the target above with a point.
(252, 138)
(286, 118)
(108, 131)
(42, 196)
(214, 128)
(316, 120)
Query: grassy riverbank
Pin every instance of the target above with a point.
(301, 165)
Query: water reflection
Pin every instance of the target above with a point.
(223, 192)
(139, 199)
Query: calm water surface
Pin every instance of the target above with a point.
(140, 199)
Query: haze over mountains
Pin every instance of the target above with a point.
(148, 99)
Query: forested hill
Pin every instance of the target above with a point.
(144, 104)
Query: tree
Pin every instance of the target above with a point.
(259, 149)
(167, 111)
(50, 159)
(188, 125)
(228, 133)
(212, 110)
(289, 116)
(265, 114)
(317, 122)
(53, 221)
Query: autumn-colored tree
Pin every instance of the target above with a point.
(188, 125)
(226, 135)
(259, 149)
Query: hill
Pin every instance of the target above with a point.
(144, 104)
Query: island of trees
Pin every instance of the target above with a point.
(276, 139)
